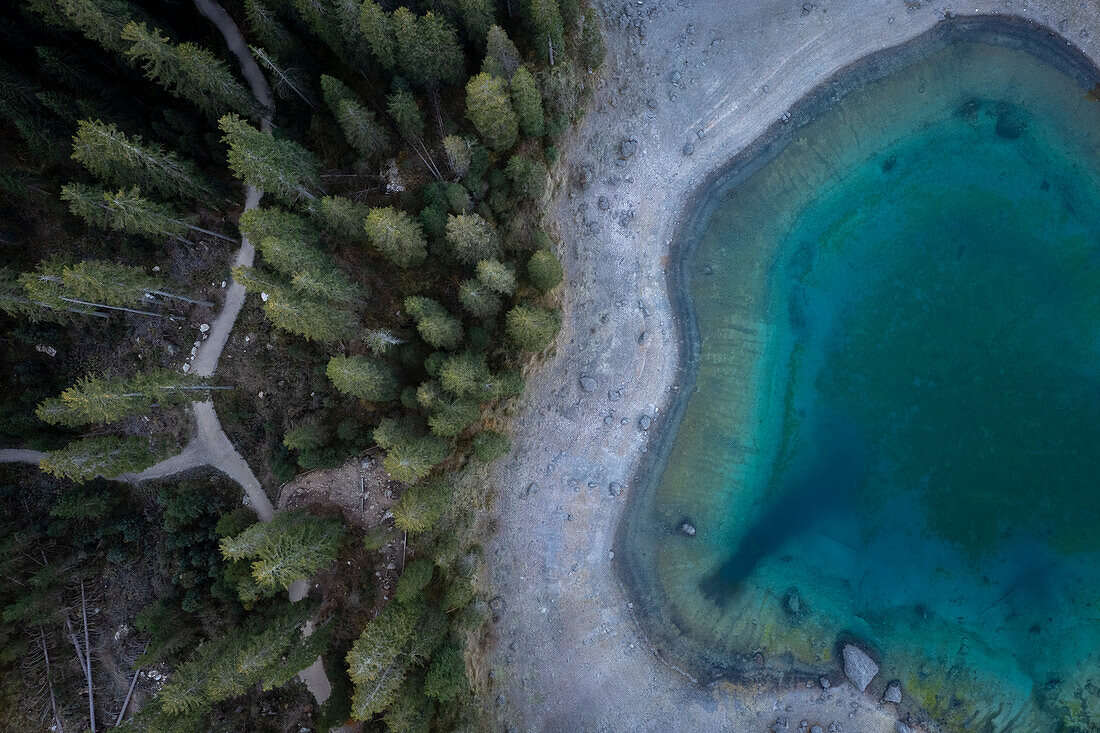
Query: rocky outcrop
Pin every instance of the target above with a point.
(859, 668)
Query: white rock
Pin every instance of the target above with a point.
(204, 328)
(223, 283)
(186, 368)
(156, 268)
(264, 297)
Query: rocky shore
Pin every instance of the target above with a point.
(687, 85)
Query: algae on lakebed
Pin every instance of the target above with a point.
(895, 312)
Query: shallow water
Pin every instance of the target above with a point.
(892, 432)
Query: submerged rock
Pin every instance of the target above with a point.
(687, 529)
(893, 692)
(858, 667)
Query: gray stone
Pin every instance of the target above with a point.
(588, 384)
(825, 683)
(893, 692)
(615, 489)
(689, 148)
(603, 203)
(628, 147)
(532, 488)
(901, 727)
(816, 729)
(612, 396)
(644, 422)
(687, 529)
(858, 667)
(675, 76)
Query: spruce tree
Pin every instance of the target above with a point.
(414, 579)
(282, 168)
(428, 52)
(363, 132)
(397, 236)
(101, 21)
(108, 456)
(547, 30)
(309, 318)
(528, 176)
(270, 221)
(113, 156)
(377, 662)
(124, 211)
(290, 547)
(378, 31)
(527, 102)
(307, 436)
(471, 238)
(271, 32)
(310, 270)
(478, 299)
(591, 44)
(436, 326)
(342, 218)
(363, 377)
(106, 399)
(421, 506)
(497, 276)
(477, 18)
(544, 270)
(488, 107)
(413, 458)
(501, 57)
(412, 710)
(458, 152)
(406, 114)
(446, 678)
(532, 328)
(188, 71)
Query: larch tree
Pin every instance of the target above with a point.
(397, 236)
(363, 132)
(465, 374)
(488, 107)
(458, 153)
(363, 377)
(111, 155)
(282, 168)
(188, 71)
(410, 455)
(108, 456)
(292, 546)
(532, 328)
(497, 276)
(421, 506)
(527, 102)
(471, 238)
(436, 326)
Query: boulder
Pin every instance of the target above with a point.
(588, 384)
(687, 529)
(893, 692)
(858, 666)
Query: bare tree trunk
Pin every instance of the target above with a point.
(87, 655)
(180, 297)
(49, 681)
(129, 693)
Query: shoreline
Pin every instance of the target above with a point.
(569, 652)
(638, 529)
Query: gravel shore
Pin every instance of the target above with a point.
(686, 86)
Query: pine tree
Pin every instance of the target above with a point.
(527, 102)
(421, 506)
(105, 399)
(479, 300)
(406, 114)
(362, 131)
(290, 547)
(282, 168)
(497, 276)
(436, 326)
(465, 374)
(528, 176)
(124, 211)
(547, 30)
(458, 152)
(397, 236)
(477, 18)
(107, 456)
(501, 56)
(113, 156)
(413, 458)
(488, 108)
(544, 270)
(471, 238)
(342, 218)
(363, 377)
(188, 71)
(532, 328)
(591, 44)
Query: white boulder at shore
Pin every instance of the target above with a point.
(859, 668)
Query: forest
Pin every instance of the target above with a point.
(244, 241)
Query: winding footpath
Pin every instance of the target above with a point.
(210, 446)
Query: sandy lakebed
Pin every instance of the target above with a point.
(687, 85)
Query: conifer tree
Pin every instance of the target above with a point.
(465, 374)
(421, 506)
(307, 436)
(478, 299)
(363, 132)
(527, 102)
(101, 21)
(363, 377)
(532, 328)
(282, 168)
(290, 547)
(458, 152)
(108, 456)
(337, 24)
(308, 318)
(501, 57)
(269, 30)
(436, 326)
(497, 276)
(591, 43)
(397, 236)
(452, 415)
(488, 108)
(490, 445)
(413, 458)
(127, 161)
(477, 18)
(106, 399)
(412, 710)
(342, 218)
(446, 678)
(286, 80)
(377, 662)
(378, 31)
(547, 30)
(471, 238)
(188, 71)
(428, 52)
(124, 211)
(270, 221)
(528, 176)
(310, 270)
(544, 270)
(406, 114)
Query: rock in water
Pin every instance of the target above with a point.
(859, 667)
(687, 528)
(893, 692)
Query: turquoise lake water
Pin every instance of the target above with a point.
(892, 428)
